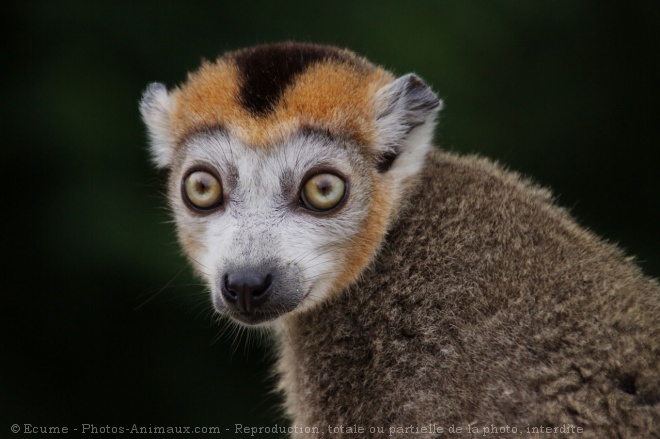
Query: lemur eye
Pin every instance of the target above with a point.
(322, 192)
(202, 190)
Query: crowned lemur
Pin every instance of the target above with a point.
(408, 290)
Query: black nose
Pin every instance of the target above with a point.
(246, 290)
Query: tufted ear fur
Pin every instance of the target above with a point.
(406, 111)
(156, 107)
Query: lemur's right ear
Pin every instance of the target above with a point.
(156, 107)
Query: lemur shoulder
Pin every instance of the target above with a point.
(405, 286)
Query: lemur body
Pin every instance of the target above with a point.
(406, 287)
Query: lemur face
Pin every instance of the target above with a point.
(287, 164)
(270, 229)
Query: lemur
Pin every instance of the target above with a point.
(409, 290)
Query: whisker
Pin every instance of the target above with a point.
(160, 291)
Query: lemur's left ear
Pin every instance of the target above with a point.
(156, 107)
(406, 110)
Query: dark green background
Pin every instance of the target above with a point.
(566, 92)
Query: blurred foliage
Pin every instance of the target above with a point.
(566, 92)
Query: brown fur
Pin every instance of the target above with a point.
(487, 306)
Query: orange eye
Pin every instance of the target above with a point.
(202, 190)
(323, 192)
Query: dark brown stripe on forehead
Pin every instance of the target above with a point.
(267, 70)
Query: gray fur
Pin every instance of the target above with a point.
(487, 306)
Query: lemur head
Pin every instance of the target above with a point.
(287, 164)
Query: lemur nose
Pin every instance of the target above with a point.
(246, 290)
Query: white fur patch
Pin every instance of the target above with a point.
(156, 107)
